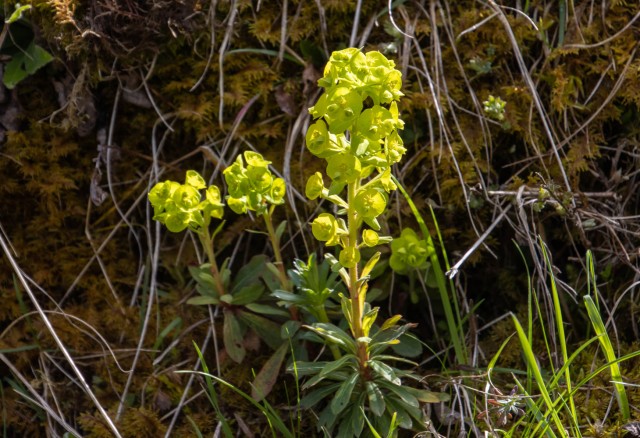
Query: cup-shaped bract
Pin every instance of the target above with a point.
(343, 109)
(260, 179)
(277, 191)
(344, 168)
(161, 195)
(315, 186)
(349, 257)
(325, 228)
(195, 180)
(370, 237)
(212, 204)
(255, 159)
(370, 203)
(346, 64)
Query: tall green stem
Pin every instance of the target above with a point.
(207, 243)
(355, 289)
(275, 244)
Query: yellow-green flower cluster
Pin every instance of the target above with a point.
(253, 188)
(356, 132)
(180, 206)
(350, 79)
(409, 252)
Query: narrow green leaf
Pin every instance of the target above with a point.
(334, 334)
(368, 320)
(537, 374)
(266, 378)
(226, 298)
(268, 330)
(409, 346)
(343, 395)
(390, 322)
(202, 275)
(266, 309)
(376, 399)
(355, 419)
(267, 410)
(307, 368)
(17, 14)
(401, 392)
(280, 230)
(426, 396)
(447, 294)
(288, 297)
(232, 336)
(384, 371)
(165, 332)
(249, 274)
(203, 300)
(610, 354)
(402, 417)
(211, 393)
(370, 265)
(317, 395)
(247, 294)
(334, 365)
(19, 349)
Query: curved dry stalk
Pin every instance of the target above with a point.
(56, 338)
(231, 18)
(37, 398)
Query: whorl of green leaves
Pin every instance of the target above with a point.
(253, 188)
(180, 206)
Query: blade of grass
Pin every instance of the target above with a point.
(534, 410)
(607, 365)
(266, 409)
(561, 336)
(530, 295)
(213, 398)
(195, 427)
(605, 341)
(453, 325)
(531, 362)
(610, 354)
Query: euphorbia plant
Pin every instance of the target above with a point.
(359, 145)
(356, 132)
(253, 188)
(180, 206)
(192, 206)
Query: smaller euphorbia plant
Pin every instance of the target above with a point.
(409, 252)
(181, 206)
(192, 206)
(409, 256)
(252, 187)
